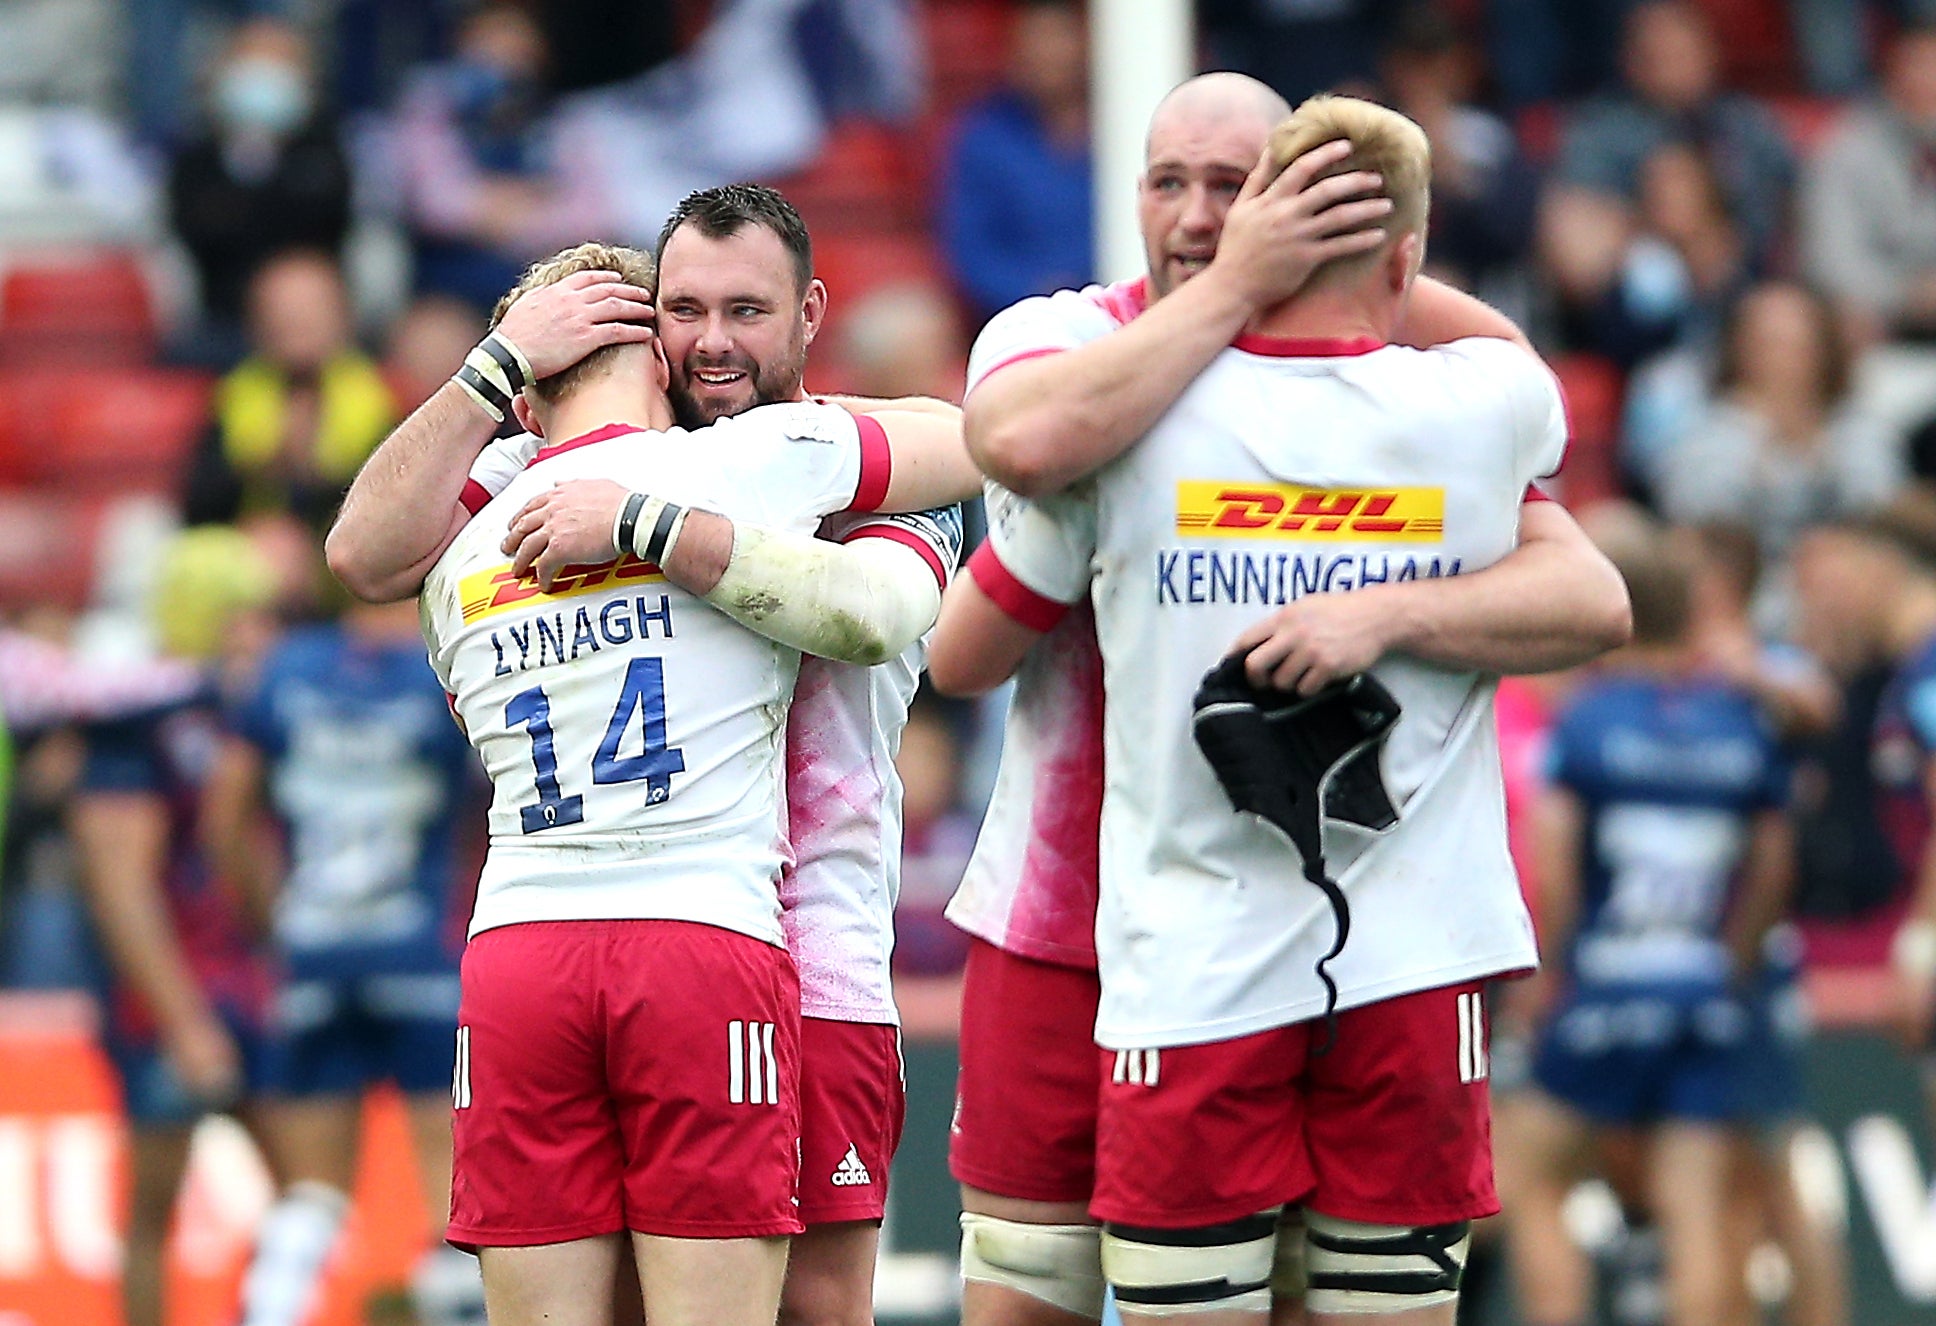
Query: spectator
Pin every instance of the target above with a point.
(487, 186)
(1541, 50)
(1297, 46)
(902, 340)
(1682, 265)
(1778, 448)
(293, 421)
(1670, 95)
(1869, 201)
(1832, 38)
(1484, 192)
(427, 344)
(269, 174)
(1015, 211)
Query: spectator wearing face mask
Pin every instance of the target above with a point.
(268, 174)
(488, 184)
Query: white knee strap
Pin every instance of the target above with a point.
(1177, 1272)
(1382, 1268)
(1060, 1265)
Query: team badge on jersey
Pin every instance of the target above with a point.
(1292, 511)
(498, 589)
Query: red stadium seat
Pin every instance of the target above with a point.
(855, 262)
(91, 307)
(967, 47)
(1757, 52)
(1592, 389)
(863, 178)
(102, 430)
(47, 548)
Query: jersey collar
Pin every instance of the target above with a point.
(1307, 347)
(551, 449)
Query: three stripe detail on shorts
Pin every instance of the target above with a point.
(752, 1074)
(460, 1077)
(1474, 1064)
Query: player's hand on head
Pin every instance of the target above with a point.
(557, 325)
(1277, 233)
(569, 525)
(1315, 641)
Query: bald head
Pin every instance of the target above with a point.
(1213, 98)
(1204, 140)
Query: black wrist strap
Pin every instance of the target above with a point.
(655, 544)
(628, 522)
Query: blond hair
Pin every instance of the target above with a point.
(633, 266)
(1382, 141)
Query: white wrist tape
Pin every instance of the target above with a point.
(1914, 949)
(648, 527)
(859, 602)
(493, 372)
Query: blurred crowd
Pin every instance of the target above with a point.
(239, 239)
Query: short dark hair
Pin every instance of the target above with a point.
(722, 212)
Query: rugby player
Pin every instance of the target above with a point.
(864, 1085)
(1024, 1135)
(187, 1001)
(333, 806)
(737, 308)
(1665, 858)
(1193, 1218)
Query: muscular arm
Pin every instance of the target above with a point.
(1559, 825)
(861, 601)
(1038, 425)
(1767, 887)
(931, 466)
(122, 839)
(403, 510)
(1552, 603)
(976, 645)
(1437, 314)
(234, 833)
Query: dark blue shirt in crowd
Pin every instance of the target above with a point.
(1670, 774)
(1015, 209)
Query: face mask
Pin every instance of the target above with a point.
(266, 96)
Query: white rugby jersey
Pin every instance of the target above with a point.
(843, 798)
(1288, 468)
(843, 793)
(631, 731)
(1030, 887)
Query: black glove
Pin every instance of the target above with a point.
(1295, 760)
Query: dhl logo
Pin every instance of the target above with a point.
(1288, 511)
(485, 593)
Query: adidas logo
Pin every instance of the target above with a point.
(850, 1173)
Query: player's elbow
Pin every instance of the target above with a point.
(1011, 448)
(1611, 620)
(959, 673)
(349, 564)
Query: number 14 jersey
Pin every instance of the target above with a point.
(631, 731)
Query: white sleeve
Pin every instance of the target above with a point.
(1533, 401)
(801, 460)
(1046, 544)
(1041, 325)
(500, 462)
(936, 535)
